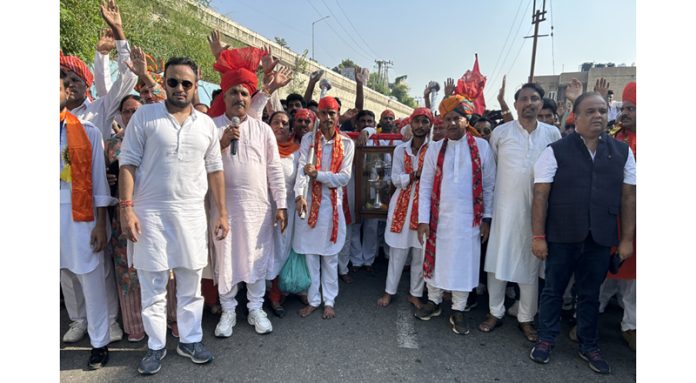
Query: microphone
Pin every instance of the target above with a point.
(234, 122)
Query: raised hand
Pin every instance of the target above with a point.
(106, 41)
(449, 87)
(111, 14)
(216, 45)
(361, 75)
(138, 63)
(426, 92)
(268, 61)
(278, 79)
(602, 87)
(501, 92)
(316, 75)
(573, 90)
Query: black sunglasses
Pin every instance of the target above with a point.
(173, 83)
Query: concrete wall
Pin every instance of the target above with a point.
(618, 77)
(342, 87)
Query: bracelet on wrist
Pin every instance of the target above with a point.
(538, 237)
(125, 203)
(505, 112)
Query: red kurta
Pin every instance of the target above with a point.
(628, 269)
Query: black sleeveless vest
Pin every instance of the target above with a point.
(586, 195)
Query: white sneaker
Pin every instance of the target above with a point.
(259, 320)
(115, 332)
(225, 325)
(75, 333)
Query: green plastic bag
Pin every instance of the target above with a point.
(294, 277)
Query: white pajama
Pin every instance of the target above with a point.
(255, 293)
(74, 299)
(626, 289)
(344, 254)
(364, 252)
(189, 310)
(458, 297)
(322, 268)
(529, 299)
(94, 294)
(397, 260)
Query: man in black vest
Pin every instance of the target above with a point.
(581, 184)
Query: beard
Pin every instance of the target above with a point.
(179, 103)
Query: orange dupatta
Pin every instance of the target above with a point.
(337, 153)
(80, 162)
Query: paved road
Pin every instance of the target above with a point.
(365, 343)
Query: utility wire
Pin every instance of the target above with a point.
(512, 25)
(367, 45)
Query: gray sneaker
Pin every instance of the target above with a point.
(194, 351)
(428, 311)
(459, 323)
(151, 363)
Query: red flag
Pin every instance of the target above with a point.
(471, 85)
(480, 102)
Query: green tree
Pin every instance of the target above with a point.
(376, 84)
(400, 91)
(281, 41)
(346, 63)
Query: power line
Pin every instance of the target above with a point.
(500, 53)
(499, 74)
(356, 30)
(350, 35)
(369, 58)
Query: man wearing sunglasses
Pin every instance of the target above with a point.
(171, 148)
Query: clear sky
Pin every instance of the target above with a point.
(433, 40)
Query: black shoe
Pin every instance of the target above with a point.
(459, 323)
(428, 311)
(98, 358)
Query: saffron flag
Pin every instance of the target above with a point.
(471, 85)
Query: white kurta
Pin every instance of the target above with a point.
(76, 252)
(102, 111)
(172, 163)
(509, 254)
(406, 238)
(247, 252)
(317, 240)
(458, 243)
(283, 241)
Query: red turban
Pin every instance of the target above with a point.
(328, 102)
(305, 114)
(78, 66)
(629, 92)
(421, 112)
(387, 112)
(238, 67)
(571, 119)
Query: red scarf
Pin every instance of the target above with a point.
(477, 189)
(337, 153)
(401, 207)
(629, 137)
(286, 149)
(80, 157)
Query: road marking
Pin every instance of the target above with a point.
(405, 330)
(119, 349)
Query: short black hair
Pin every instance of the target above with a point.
(64, 77)
(182, 61)
(364, 112)
(582, 97)
(550, 104)
(215, 93)
(531, 85)
(312, 103)
(296, 97)
(485, 119)
(128, 97)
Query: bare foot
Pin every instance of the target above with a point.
(303, 299)
(329, 313)
(384, 300)
(415, 302)
(305, 311)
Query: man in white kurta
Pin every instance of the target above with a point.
(80, 258)
(169, 156)
(458, 240)
(247, 254)
(315, 242)
(402, 238)
(516, 145)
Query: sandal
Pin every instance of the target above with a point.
(490, 324)
(529, 331)
(278, 310)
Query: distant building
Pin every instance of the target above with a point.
(618, 77)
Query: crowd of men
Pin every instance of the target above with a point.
(169, 205)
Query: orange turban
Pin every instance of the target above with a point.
(389, 113)
(328, 102)
(78, 66)
(456, 103)
(238, 67)
(421, 112)
(629, 92)
(305, 114)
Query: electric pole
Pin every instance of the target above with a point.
(537, 17)
(383, 71)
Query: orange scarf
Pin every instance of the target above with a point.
(337, 153)
(401, 207)
(286, 149)
(80, 162)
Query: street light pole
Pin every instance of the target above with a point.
(316, 21)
